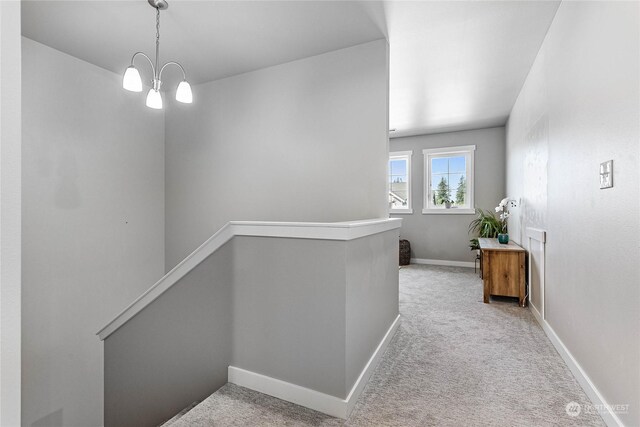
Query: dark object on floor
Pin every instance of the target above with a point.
(405, 252)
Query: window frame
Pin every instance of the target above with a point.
(401, 155)
(430, 153)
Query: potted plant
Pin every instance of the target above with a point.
(447, 203)
(503, 209)
(486, 224)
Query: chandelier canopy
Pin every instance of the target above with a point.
(131, 80)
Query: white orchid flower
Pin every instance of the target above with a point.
(498, 209)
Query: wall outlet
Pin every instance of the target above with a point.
(606, 174)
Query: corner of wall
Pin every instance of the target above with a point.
(10, 212)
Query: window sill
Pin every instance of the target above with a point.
(451, 211)
(400, 211)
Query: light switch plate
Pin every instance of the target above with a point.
(606, 174)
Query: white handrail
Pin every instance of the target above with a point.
(296, 230)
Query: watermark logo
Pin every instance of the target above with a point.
(573, 409)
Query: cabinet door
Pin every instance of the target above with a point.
(505, 273)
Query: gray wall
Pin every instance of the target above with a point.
(10, 213)
(176, 351)
(93, 226)
(371, 298)
(301, 141)
(289, 311)
(445, 236)
(308, 312)
(312, 312)
(579, 107)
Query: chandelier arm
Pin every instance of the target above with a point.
(184, 74)
(148, 59)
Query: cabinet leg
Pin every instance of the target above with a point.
(486, 277)
(522, 287)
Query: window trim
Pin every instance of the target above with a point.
(428, 153)
(402, 155)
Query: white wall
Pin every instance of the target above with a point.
(301, 141)
(10, 213)
(93, 226)
(579, 107)
(446, 236)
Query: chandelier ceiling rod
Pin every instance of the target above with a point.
(132, 81)
(157, 38)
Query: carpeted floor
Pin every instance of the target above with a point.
(454, 361)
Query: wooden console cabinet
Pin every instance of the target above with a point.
(503, 270)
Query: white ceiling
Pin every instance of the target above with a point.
(460, 64)
(211, 39)
(454, 64)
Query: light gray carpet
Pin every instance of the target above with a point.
(454, 361)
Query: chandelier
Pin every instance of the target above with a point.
(132, 82)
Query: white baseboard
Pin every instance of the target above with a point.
(371, 365)
(293, 393)
(609, 417)
(445, 262)
(306, 397)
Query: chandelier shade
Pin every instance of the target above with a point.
(131, 80)
(154, 99)
(183, 94)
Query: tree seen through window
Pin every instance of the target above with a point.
(448, 180)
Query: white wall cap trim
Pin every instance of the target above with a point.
(459, 149)
(298, 230)
(309, 398)
(315, 230)
(537, 234)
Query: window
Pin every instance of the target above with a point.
(400, 182)
(448, 180)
